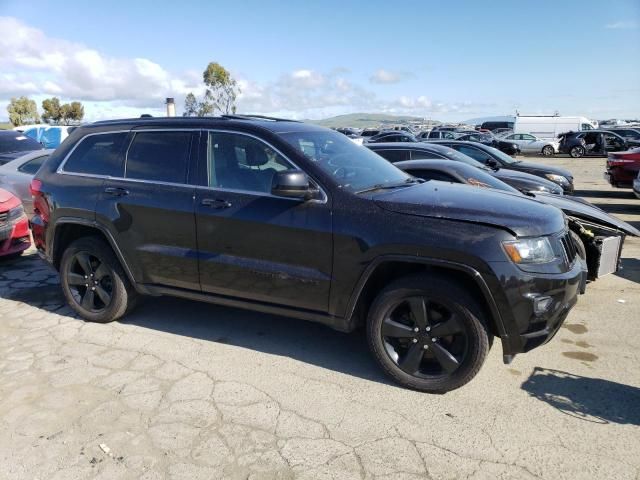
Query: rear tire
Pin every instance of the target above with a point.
(576, 152)
(93, 281)
(427, 333)
(548, 151)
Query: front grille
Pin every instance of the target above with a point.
(3, 217)
(569, 246)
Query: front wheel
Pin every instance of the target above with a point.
(427, 333)
(576, 152)
(548, 151)
(93, 281)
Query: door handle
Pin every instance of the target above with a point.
(215, 203)
(116, 191)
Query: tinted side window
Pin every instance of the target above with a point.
(423, 155)
(393, 155)
(159, 156)
(32, 166)
(99, 154)
(474, 153)
(432, 175)
(240, 162)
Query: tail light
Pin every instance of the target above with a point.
(40, 205)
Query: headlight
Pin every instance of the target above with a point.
(557, 178)
(529, 250)
(16, 212)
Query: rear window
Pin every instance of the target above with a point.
(159, 156)
(98, 154)
(32, 166)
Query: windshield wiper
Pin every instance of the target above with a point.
(390, 186)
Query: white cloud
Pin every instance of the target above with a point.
(387, 77)
(622, 25)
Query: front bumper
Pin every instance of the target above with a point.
(526, 329)
(14, 237)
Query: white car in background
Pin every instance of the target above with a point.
(531, 144)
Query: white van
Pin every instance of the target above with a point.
(549, 127)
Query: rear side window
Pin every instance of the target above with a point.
(99, 154)
(159, 156)
(32, 166)
(393, 155)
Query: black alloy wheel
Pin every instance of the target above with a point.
(428, 333)
(577, 151)
(90, 282)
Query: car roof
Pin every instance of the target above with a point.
(276, 125)
(408, 145)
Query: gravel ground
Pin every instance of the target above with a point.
(182, 390)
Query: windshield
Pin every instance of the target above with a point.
(503, 157)
(17, 142)
(353, 167)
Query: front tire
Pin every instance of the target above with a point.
(548, 151)
(427, 333)
(93, 281)
(576, 152)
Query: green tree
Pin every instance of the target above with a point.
(23, 111)
(71, 113)
(51, 110)
(220, 95)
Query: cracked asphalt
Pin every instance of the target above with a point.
(182, 390)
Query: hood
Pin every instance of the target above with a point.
(520, 215)
(581, 209)
(530, 166)
(526, 181)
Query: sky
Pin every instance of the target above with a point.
(317, 59)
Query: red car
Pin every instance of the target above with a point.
(14, 226)
(623, 167)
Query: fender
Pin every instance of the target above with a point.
(93, 224)
(435, 262)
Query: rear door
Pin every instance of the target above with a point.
(150, 208)
(252, 244)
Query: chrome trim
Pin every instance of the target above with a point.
(60, 168)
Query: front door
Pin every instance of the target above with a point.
(253, 245)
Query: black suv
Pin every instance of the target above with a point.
(594, 143)
(294, 219)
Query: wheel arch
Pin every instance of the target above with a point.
(68, 229)
(386, 269)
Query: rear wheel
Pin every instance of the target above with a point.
(427, 333)
(577, 151)
(93, 281)
(548, 151)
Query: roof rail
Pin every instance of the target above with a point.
(260, 117)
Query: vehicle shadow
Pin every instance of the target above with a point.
(630, 269)
(288, 337)
(589, 399)
(621, 194)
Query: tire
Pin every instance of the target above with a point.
(576, 152)
(95, 258)
(448, 307)
(548, 151)
(581, 249)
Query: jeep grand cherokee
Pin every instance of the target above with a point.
(293, 219)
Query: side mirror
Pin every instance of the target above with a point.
(292, 184)
(490, 162)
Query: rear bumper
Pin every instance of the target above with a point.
(14, 237)
(621, 176)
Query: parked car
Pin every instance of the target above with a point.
(399, 136)
(499, 131)
(594, 143)
(492, 157)
(636, 186)
(399, 152)
(622, 168)
(531, 144)
(14, 144)
(626, 133)
(370, 132)
(295, 219)
(510, 148)
(16, 176)
(438, 134)
(14, 226)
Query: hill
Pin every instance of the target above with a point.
(363, 120)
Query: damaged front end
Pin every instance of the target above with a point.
(601, 246)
